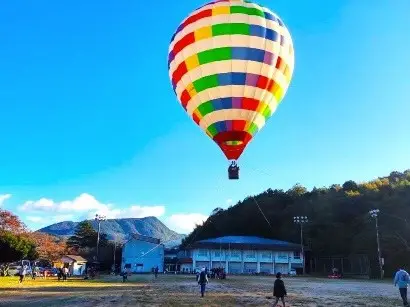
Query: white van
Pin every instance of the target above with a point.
(14, 267)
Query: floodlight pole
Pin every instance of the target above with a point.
(374, 214)
(99, 219)
(301, 220)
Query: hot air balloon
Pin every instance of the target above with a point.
(230, 63)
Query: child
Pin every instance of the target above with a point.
(279, 290)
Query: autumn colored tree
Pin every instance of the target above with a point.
(48, 247)
(11, 222)
(15, 244)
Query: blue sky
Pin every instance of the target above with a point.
(89, 121)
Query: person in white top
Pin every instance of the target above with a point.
(22, 273)
(65, 273)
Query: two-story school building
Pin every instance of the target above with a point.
(245, 255)
(141, 254)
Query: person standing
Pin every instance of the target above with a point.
(279, 290)
(156, 271)
(125, 274)
(202, 281)
(35, 272)
(60, 273)
(402, 279)
(65, 273)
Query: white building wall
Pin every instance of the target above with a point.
(248, 260)
(150, 255)
(78, 269)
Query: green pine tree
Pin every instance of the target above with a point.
(86, 237)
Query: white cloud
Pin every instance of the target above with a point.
(185, 222)
(134, 211)
(229, 202)
(62, 218)
(83, 203)
(86, 206)
(43, 204)
(3, 198)
(35, 219)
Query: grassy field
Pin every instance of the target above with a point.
(171, 290)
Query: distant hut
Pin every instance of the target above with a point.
(76, 264)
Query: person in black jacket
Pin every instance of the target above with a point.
(279, 290)
(202, 281)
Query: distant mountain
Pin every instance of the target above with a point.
(121, 229)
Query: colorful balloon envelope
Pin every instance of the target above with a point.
(230, 64)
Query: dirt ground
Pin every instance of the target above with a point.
(171, 290)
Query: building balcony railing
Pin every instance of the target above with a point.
(281, 259)
(276, 259)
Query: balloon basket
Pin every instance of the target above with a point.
(233, 171)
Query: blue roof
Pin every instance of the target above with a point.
(246, 240)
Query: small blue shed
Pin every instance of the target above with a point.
(141, 254)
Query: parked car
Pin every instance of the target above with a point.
(292, 272)
(49, 271)
(15, 267)
(13, 270)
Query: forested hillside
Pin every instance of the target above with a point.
(339, 220)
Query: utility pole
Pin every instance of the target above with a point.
(374, 214)
(115, 250)
(99, 219)
(301, 220)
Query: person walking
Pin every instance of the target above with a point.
(279, 290)
(156, 271)
(22, 273)
(202, 281)
(402, 279)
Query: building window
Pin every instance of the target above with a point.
(235, 253)
(283, 255)
(266, 255)
(217, 253)
(250, 254)
(296, 255)
(202, 253)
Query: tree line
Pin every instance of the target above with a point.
(339, 219)
(18, 243)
